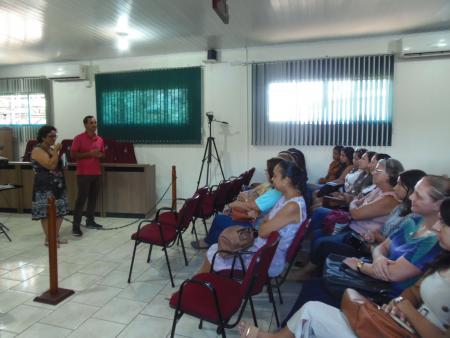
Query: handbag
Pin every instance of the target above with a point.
(335, 216)
(368, 320)
(235, 238)
(238, 214)
(328, 188)
(356, 241)
(338, 276)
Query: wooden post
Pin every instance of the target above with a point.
(174, 187)
(54, 295)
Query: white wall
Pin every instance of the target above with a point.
(421, 109)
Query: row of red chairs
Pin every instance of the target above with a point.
(115, 151)
(214, 297)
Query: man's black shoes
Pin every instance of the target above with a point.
(76, 231)
(93, 225)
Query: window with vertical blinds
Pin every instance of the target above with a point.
(329, 101)
(152, 106)
(25, 105)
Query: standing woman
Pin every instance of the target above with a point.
(48, 180)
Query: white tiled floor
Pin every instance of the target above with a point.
(96, 267)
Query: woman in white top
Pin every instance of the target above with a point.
(425, 306)
(285, 217)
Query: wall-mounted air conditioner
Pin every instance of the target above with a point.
(425, 45)
(69, 72)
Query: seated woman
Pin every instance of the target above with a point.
(425, 306)
(256, 203)
(398, 258)
(254, 207)
(285, 217)
(346, 159)
(335, 168)
(356, 172)
(363, 181)
(368, 214)
(406, 182)
(405, 255)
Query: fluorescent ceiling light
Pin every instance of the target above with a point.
(18, 28)
(123, 43)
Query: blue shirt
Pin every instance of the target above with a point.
(267, 201)
(419, 251)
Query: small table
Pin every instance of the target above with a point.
(3, 187)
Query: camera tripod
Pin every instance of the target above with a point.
(208, 153)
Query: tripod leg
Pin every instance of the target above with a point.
(218, 158)
(203, 163)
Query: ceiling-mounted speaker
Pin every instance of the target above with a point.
(211, 56)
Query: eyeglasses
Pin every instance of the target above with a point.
(378, 170)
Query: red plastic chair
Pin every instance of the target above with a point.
(28, 149)
(164, 231)
(124, 153)
(291, 254)
(216, 298)
(248, 176)
(235, 189)
(65, 149)
(221, 192)
(205, 208)
(110, 151)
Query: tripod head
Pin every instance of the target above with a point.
(211, 118)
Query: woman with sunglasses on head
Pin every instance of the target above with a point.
(367, 214)
(48, 180)
(423, 306)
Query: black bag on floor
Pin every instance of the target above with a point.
(338, 277)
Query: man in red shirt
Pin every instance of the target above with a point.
(87, 149)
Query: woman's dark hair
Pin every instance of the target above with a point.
(348, 151)
(271, 164)
(442, 262)
(299, 158)
(295, 173)
(382, 156)
(370, 154)
(360, 152)
(408, 179)
(338, 148)
(43, 132)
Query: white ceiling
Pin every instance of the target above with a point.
(33, 31)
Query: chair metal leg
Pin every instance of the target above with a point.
(3, 229)
(168, 266)
(221, 330)
(200, 325)
(269, 289)
(177, 315)
(149, 253)
(195, 232)
(184, 250)
(193, 225)
(206, 228)
(253, 311)
(132, 260)
(278, 286)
